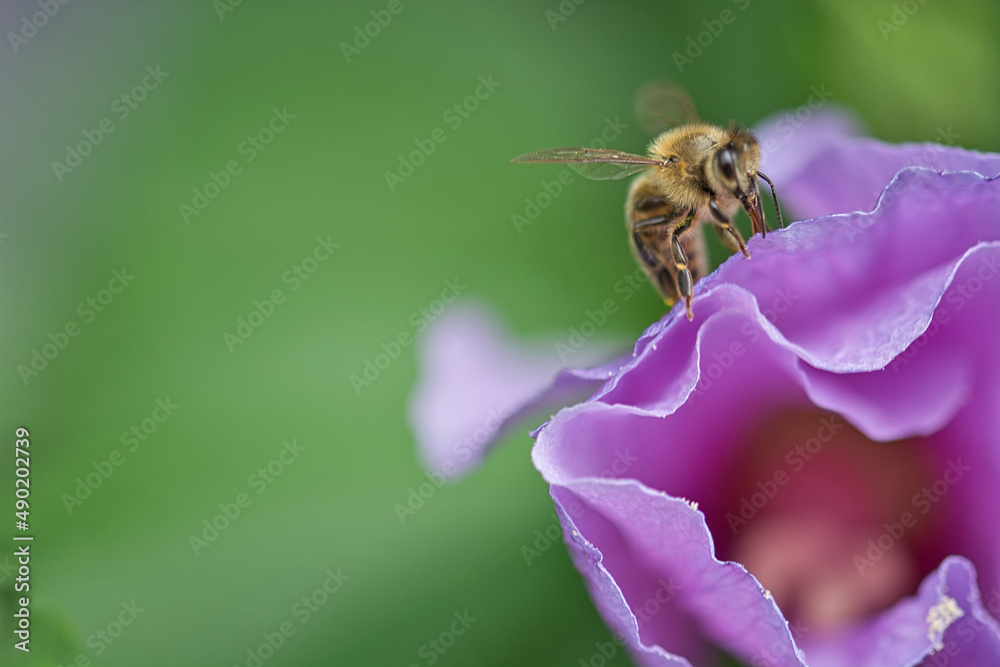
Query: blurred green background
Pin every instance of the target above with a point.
(202, 81)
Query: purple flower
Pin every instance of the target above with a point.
(809, 474)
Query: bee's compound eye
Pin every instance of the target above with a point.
(725, 160)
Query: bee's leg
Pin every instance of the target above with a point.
(724, 225)
(647, 253)
(725, 238)
(653, 264)
(685, 281)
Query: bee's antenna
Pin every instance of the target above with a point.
(774, 197)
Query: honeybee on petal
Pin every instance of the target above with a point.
(695, 172)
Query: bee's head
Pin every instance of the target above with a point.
(733, 170)
(734, 164)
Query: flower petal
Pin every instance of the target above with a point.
(476, 383)
(849, 293)
(606, 589)
(641, 537)
(898, 402)
(728, 603)
(790, 144)
(946, 618)
(819, 169)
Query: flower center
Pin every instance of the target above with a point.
(825, 518)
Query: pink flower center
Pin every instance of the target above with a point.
(824, 518)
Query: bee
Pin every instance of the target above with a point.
(695, 172)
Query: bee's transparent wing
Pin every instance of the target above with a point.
(660, 105)
(597, 164)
